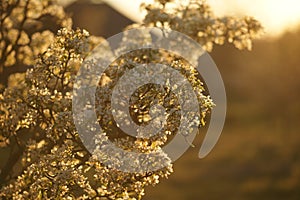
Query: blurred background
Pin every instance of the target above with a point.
(258, 154)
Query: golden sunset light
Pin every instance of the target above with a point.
(275, 15)
(149, 99)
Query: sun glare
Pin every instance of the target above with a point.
(282, 14)
(275, 15)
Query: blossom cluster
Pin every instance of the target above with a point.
(197, 20)
(47, 157)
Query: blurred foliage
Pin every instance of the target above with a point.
(27, 28)
(46, 158)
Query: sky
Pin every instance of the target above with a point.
(275, 15)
